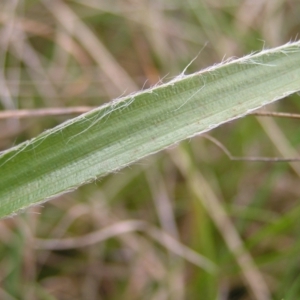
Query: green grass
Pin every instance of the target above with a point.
(111, 137)
(176, 208)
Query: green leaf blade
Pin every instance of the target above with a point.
(126, 130)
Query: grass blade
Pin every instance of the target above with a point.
(128, 129)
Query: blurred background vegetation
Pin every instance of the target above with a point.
(186, 223)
